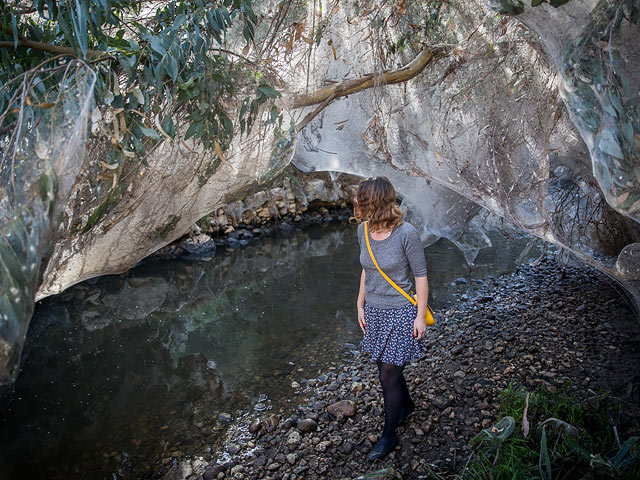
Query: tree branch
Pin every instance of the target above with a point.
(347, 87)
(311, 115)
(47, 47)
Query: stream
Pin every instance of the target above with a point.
(123, 374)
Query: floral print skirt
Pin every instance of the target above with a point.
(389, 334)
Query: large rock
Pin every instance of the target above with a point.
(459, 148)
(341, 409)
(182, 185)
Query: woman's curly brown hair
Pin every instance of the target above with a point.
(375, 202)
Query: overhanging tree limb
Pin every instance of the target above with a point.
(47, 47)
(311, 115)
(427, 55)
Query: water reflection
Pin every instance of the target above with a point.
(124, 372)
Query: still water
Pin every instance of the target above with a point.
(126, 371)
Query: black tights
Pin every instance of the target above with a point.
(396, 396)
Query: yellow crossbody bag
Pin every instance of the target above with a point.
(413, 299)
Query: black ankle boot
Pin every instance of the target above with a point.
(405, 412)
(383, 448)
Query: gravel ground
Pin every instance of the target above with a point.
(541, 324)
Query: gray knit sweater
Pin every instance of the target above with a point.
(400, 256)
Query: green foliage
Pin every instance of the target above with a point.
(414, 22)
(154, 64)
(604, 105)
(20, 244)
(163, 71)
(567, 439)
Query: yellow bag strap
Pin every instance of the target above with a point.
(409, 297)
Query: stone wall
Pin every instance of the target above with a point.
(291, 196)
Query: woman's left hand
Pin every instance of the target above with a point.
(419, 327)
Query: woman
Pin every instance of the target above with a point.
(393, 327)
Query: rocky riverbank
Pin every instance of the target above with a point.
(295, 200)
(540, 325)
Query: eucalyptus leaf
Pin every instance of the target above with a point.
(156, 44)
(195, 129)
(243, 108)
(628, 132)
(14, 30)
(608, 143)
(227, 125)
(168, 126)
(79, 23)
(212, 22)
(134, 45)
(173, 68)
(269, 91)
(138, 146)
(150, 132)
(246, 33)
(137, 93)
(225, 14)
(616, 102)
(124, 63)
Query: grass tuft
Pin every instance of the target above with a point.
(559, 437)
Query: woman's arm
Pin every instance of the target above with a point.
(422, 291)
(360, 304)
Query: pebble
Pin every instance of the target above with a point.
(212, 472)
(271, 422)
(289, 422)
(255, 425)
(347, 447)
(356, 387)
(322, 446)
(233, 449)
(441, 402)
(294, 437)
(307, 425)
